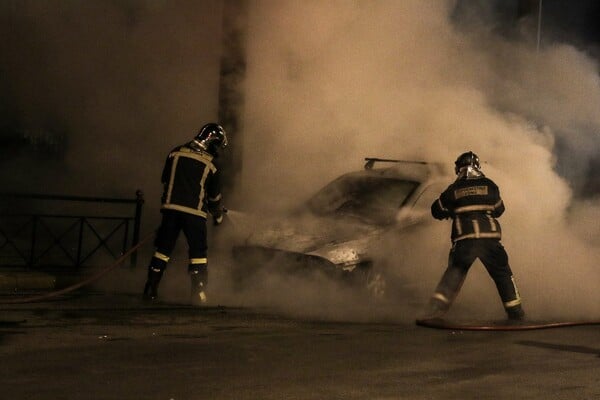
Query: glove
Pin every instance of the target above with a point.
(218, 219)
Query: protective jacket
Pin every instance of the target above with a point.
(473, 203)
(191, 180)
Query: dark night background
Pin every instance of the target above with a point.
(573, 22)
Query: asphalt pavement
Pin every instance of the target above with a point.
(99, 345)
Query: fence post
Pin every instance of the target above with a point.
(80, 242)
(34, 221)
(139, 202)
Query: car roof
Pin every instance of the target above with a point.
(417, 171)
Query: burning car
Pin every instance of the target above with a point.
(336, 230)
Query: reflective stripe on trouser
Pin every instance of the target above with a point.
(495, 260)
(198, 265)
(507, 288)
(152, 281)
(158, 262)
(157, 266)
(448, 287)
(194, 229)
(198, 270)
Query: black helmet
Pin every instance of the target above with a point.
(468, 159)
(210, 138)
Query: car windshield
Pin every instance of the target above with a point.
(372, 199)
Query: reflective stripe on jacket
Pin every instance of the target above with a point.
(473, 203)
(191, 182)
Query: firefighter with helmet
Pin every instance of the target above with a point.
(192, 192)
(473, 203)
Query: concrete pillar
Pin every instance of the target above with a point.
(231, 90)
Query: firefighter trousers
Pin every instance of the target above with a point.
(194, 229)
(493, 256)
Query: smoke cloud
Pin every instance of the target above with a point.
(329, 83)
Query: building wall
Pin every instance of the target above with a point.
(95, 93)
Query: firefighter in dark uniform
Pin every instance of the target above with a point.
(192, 192)
(473, 203)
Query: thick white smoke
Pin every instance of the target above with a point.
(329, 83)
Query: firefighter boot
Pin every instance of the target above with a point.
(198, 292)
(436, 308)
(151, 286)
(515, 313)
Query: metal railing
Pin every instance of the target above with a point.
(38, 230)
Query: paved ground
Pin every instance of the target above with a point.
(113, 346)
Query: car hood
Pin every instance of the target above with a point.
(339, 241)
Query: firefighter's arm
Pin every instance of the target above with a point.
(215, 209)
(498, 205)
(213, 197)
(438, 211)
(166, 172)
(166, 175)
(498, 209)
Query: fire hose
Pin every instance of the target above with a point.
(438, 323)
(84, 282)
(87, 281)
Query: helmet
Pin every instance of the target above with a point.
(210, 138)
(468, 159)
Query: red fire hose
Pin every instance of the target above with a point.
(438, 323)
(78, 285)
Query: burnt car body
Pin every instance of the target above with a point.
(336, 231)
